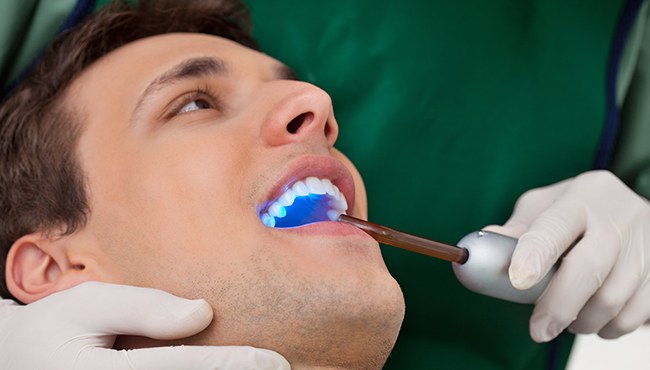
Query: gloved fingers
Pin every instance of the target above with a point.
(513, 231)
(631, 317)
(528, 207)
(182, 357)
(120, 309)
(547, 238)
(619, 287)
(580, 275)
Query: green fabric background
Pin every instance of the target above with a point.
(451, 110)
(632, 157)
(25, 27)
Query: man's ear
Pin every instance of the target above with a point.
(39, 265)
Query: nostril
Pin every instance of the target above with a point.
(327, 129)
(297, 122)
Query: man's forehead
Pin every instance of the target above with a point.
(132, 68)
(154, 55)
(128, 75)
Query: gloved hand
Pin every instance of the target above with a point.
(76, 328)
(602, 283)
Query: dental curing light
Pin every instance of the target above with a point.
(480, 261)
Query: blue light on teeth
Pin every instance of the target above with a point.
(268, 220)
(304, 210)
(277, 210)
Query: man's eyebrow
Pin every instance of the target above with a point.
(189, 68)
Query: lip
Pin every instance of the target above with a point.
(328, 228)
(333, 242)
(317, 166)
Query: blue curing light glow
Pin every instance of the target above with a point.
(305, 210)
(283, 212)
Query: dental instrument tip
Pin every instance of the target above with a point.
(408, 241)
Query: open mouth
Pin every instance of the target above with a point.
(307, 201)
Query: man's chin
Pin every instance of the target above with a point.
(363, 341)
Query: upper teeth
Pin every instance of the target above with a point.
(309, 185)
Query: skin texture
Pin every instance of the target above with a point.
(175, 195)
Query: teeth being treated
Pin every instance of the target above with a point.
(277, 210)
(300, 189)
(333, 215)
(315, 185)
(287, 198)
(338, 203)
(308, 200)
(330, 188)
(268, 220)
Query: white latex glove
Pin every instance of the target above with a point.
(76, 328)
(602, 283)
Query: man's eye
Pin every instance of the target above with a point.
(195, 104)
(199, 99)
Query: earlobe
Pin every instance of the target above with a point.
(38, 266)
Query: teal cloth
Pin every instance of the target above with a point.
(26, 27)
(632, 156)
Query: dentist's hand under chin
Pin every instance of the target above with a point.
(602, 283)
(76, 328)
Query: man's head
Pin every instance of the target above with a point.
(43, 185)
(177, 144)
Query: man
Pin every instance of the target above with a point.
(154, 157)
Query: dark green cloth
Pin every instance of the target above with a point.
(26, 27)
(451, 110)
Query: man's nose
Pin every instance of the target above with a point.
(302, 112)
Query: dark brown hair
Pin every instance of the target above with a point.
(41, 183)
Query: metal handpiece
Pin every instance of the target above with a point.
(486, 268)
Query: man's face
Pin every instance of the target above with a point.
(186, 140)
